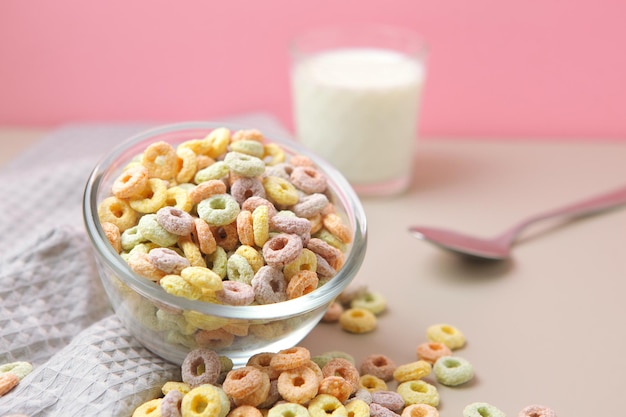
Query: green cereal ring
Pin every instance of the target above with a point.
(248, 147)
(215, 171)
(453, 370)
(218, 262)
(288, 410)
(482, 410)
(244, 164)
(446, 334)
(150, 228)
(418, 392)
(372, 301)
(19, 369)
(238, 269)
(131, 238)
(218, 209)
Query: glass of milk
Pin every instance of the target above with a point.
(356, 95)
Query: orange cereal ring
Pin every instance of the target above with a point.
(243, 381)
(204, 161)
(206, 189)
(160, 160)
(8, 381)
(112, 232)
(343, 368)
(336, 386)
(307, 261)
(308, 179)
(131, 183)
(331, 254)
(263, 361)
(357, 320)
(187, 164)
(282, 249)
(335, 225)
(431, 351)
(260, 225)
(253, 202)
(333, 312)
(302, 283)
(244, 227)
(298, 385)
(117, 211)
(214, 339)
(316, 223)
(301, 161)
(226, 236)
(290, 358)
(247, 134)
(203, 236)
(379, 365)
(141, 265)
(420, 410)
(237, 328)
(245, 411)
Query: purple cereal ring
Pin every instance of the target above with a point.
(246, 187)
(308, 179)
(235, 293)
(388, 399)
(255, 201)
(269, 285)
(288, 224)
(324, 270)
(282, 249)
(168, 260)
(170, 405)
(377, 410)
(175, 220)
(310, 205)
(192, 364)
(282, 170)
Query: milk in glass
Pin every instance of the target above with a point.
(357, 108)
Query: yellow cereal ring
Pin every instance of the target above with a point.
(118, 212)
(288, 410)
(20, 369)
(357, 320)
(179, 198)
(132, 182)
(372, 383)
(156, 197)
(418, 392)
(412, 371)
(187, 164)
(150, 408)
(261, 225)
(273, 154)
(131, 238)
(219, 140)
(306, 261)
(191, 251)
(253, 256)
(325, 405)
(446, 334)
(205, 401)
(197, 146)
(202, 278)
(176, 285)
(358, 408)
(175, 385)
(203, 321)
(160, 160)
(280, 191)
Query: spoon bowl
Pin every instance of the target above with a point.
(499, 248)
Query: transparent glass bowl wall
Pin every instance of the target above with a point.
(165, 323)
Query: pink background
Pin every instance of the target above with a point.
(518, 68)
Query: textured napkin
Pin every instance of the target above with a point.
(54, 312)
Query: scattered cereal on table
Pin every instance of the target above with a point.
(482, 410)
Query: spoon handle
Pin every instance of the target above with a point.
(585, 207)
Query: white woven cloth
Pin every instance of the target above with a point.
(53, 310)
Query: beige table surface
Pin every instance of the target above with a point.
(546, 327)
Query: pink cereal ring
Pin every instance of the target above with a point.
(175, 220)
(246, 187)
(537, 411)
(255, 201)
(170, 406)
(201, 366)
(310, 205)
(308, 179)
(324, 270)
(226, 236)
(301, 161)
(343, 368)
(293, 225)
(235, 293)
(243, 381)
(269, 285)
(168, 260)
(381, 366)
(431, 351)
(282, 249)
(131, 183)
(333, 256)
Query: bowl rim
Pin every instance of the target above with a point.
(342, 190)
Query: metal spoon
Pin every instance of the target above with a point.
(499, 247)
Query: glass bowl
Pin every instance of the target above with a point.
(167, 324)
